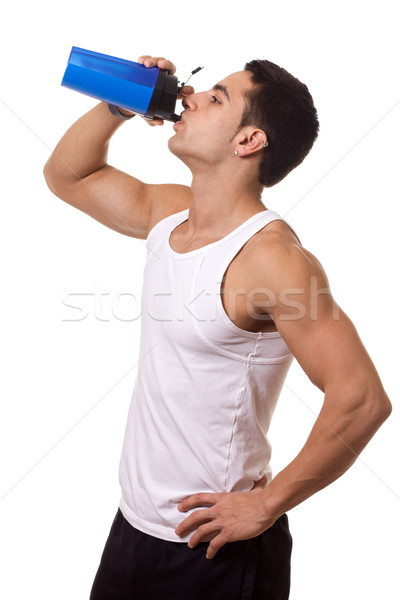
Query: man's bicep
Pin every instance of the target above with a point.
(320, 335)
(327, 347)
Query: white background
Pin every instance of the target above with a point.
(66, 384)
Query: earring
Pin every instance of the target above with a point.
(264, 145)
(236, 153)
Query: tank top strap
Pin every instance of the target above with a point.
(220, 255)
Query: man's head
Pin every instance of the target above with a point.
(263, 103)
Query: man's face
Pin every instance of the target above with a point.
(210, 121)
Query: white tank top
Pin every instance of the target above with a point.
(205, 389)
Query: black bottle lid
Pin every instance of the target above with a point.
(163, 100)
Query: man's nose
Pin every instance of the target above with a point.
(190, 102)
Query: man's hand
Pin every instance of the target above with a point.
(163, 63)
(231, 516)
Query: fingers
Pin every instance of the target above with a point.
(154, 122)
(205, 533)
(196, 518)
(185, 91)
(217, 543)
(209, 533)
(163, 63)
(199, 500)
(157, 61)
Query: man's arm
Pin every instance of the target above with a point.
(328, 348)
(295, 292)
(78, 173)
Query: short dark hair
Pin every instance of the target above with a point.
(280, 105)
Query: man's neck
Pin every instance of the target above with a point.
(220, 204)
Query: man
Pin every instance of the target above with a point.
(230, 296)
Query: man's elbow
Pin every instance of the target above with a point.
(385, 408)
(369, 406)
(46, 173)
(50, 178)
(377, 408)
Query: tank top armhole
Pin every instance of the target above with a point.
(156, 228)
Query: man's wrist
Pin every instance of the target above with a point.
(128, 113)
(120, 113)
(274, 504)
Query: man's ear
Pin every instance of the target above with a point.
(251, 140)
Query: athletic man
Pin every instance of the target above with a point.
(230, 297)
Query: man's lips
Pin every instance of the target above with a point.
(178, 124)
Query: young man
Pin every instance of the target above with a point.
(230, 297)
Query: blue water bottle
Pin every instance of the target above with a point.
(148, 91)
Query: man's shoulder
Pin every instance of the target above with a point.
(276, 256)
(168, 199)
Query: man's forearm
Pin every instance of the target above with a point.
(83, 149)
(338, 436)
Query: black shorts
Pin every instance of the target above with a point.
(138, 566)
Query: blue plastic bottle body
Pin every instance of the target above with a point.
(125, 83)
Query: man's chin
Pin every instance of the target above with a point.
(173, 147)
